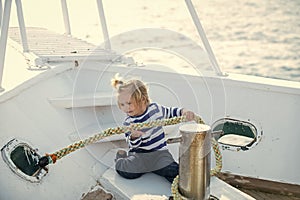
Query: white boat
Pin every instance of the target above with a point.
(71, 99)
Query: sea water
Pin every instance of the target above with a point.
(254, 37)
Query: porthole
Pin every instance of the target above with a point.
(23, 159)
(237, 134)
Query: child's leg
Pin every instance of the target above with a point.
(130, 167)
(165, 165)
(129, 175)
(169, 172)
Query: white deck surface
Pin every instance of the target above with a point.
(155, 187)
(43, 42)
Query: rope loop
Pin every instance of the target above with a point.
(137, 126)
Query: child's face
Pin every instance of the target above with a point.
(129, 106)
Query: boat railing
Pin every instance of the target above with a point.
(65, 12)
(66, 17)
(4, 23)
(5, 16)
(203, 37)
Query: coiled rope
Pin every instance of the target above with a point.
(52, 158)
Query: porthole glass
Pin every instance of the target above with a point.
(237, 134)
(23, 159)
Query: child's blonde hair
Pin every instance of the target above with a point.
(138, 90)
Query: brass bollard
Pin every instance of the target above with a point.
(194, 161)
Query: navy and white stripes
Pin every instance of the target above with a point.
(153, 139)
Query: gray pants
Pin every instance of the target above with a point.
(137, 164)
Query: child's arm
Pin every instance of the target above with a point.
(188, 114)
(170, 112)
(133, 138)
(135, 134)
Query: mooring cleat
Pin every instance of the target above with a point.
(43, 161)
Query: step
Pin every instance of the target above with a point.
(84, 100)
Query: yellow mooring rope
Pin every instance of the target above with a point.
(51, 158)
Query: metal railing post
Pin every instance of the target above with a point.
(1, 12)
(3, 37)
(194, 161)
(66, 17)
(22, 26)
(203, 37)
(103, 24)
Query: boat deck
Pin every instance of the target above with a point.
(262, 189)
(151, 186)
(42, 42)
(268, 196)
(51, 46)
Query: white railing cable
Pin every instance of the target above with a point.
(22, 26)
(1, 12)
(3, 37)
(104, 26)
(65, 13)
(203, 37)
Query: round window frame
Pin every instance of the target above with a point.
(6, 155)
(258, 134)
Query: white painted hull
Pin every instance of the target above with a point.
(35, 112)
(73, 100)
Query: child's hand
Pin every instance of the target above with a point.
(135, 134)
(188, 114)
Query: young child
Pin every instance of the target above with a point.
(147, 148)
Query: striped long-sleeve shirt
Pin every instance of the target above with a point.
(153, 139)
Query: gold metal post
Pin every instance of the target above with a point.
(194, 161)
